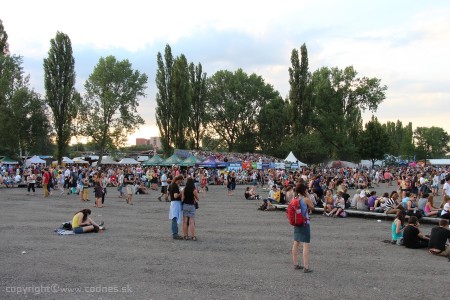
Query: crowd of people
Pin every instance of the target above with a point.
(411, 192)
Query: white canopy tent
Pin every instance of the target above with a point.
(34, 160)
(107, 160)
(79, 160)
(292, 159)
(439, 162)
(65, 160)
(128, 161)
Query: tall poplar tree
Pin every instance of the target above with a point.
(198, 100)
(4, 50)
(61, 97)
(164, 97)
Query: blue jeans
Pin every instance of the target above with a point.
(174, 226)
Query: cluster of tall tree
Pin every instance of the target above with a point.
(23, 114)
(105, 115)
(320, 119)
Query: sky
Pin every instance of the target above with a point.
(406, 44)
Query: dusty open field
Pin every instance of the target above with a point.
(242, 253)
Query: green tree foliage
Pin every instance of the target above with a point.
(373, 141)
(339, 97)
(109, 107)
(235, 100)
(4, 49)
(61, 97)
(164, 98)
(407, 148)
(198, 99)
(299, 93)
(395, 133)
(181, 103)
(431, 142)
(23, 117)
(273, 126)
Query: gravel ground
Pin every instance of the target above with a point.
(241, 253)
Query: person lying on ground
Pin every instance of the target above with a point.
(82, 223)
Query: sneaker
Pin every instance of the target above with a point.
(177, 237)
(159, 198)
(101, 224)
(307, 270)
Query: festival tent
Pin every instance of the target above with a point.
(79, 160)
(368, 163)
(156, 160)
(107, 160)
(173, 160)
(128, 161)
(439, 162)
(292, 159)
(34, 160)
(8, 161)
(65, 160)
(190, 161)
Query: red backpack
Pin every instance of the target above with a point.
(294, 213)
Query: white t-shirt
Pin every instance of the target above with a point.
(446, 209)
(446, 189)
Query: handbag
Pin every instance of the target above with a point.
(196, 204)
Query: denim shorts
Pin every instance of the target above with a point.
(189, 210)
(78, 230)
(302, 234)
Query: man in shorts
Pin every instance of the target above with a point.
(164, 185)
(129, 181)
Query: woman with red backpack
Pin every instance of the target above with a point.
(302, 233)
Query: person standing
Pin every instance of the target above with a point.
(175, 212)
(129, 180)
(104, 183)
(31, 180)
(120, 180)
(45, 182)
(189, 197)
(164, 186)
(302, 234)
(446, 189)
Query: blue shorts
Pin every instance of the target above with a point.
(302, 234)
(78, 230)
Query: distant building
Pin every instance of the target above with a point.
(154, 141)
(141, 141)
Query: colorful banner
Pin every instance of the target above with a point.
(234, 166)
(246, 165)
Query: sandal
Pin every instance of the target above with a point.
(186, 238)
(307, 270)
(194, 238)
(298, 267)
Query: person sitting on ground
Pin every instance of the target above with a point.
(328, 203)
(250, 194)
(362, 201)
(409, 203)
(397, 228)
(346, 197)
(141, 189)
(339, 205)
(430, 210)
(289, 194)
(440, 239)
(274, 198)
(355, 199)
(445, 214)
(412, 237)
(82, 223)
(371, 200)
(422, 202)
(380, 203)
(392, 206)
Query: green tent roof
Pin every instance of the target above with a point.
(171, 161)
(190, 161)
(156, 160)
(8, 160)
